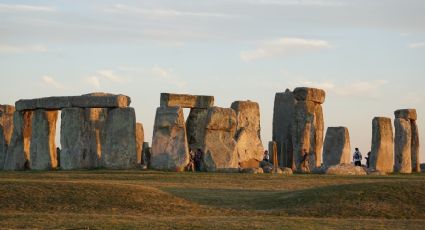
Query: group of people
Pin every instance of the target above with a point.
(357, 158)
(195, 160)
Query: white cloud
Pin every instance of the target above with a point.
(5, 48)
(51, 82)
(167, 76)
(111, 76)
(283, 47)
(93, 81)
(25, 8)
(358, 88)
(417, 45)
(160, 13)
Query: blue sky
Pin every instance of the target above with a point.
(369, 56)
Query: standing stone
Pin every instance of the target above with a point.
(3, 148)
(81, 136)
(195, 127)
(220, 151)
(119, 150)
(403, 144)
(6, 130)
(248, 140)
(382, 154)
(319, 129)
(170, 149)
(337, 146)
(283, 117)
(415, 147)
(304, 135)
(140, 139)
(18, 151)
(43, 147)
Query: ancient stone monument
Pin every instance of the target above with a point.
(382, 154)
(406, 141)
(337, 149)
(297, 125)
(97, 130)
(6, 130)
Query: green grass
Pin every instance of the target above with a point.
(103, 199)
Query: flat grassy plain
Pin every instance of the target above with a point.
(101, 199)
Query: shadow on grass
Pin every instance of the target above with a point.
(392, 200)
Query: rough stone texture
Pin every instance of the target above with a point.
(186, 101)
(3, 148)
(346, 170)
(382, 154)
(247, 116)
(170, 150)
(415, 147)
(18, 151)
(195, 126)
(319, 129)
(6, 121)
(43, 147)
(304, 132)
(252, 170)
(95, 100)
(220, 151)
(140, 139)
(119, 150)
(283, 116)
(408, 114)
(287, 171)
(82, 135)
(402, 146)
(310, 94)
(337, 148)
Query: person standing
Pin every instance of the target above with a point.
(368, 159)
(357, 157)
(266, 156)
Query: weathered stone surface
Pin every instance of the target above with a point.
(319, 129)
(249, 147)
(287, 171)
(6, 121)
(304, 132)
(252, 170)
(82, 137)
(247, 116)
(140, 139)
(3, 148)
(220, 151)
(195, 126)
(337, 146)
(119, 150)
(96, 100)
(43, 147)
(382, 154)
(170, 150)
(186, 101)
(415, 147)
(18, 151)
(408, 114)
(346, 170)
(310, 94)
(402, 146)
(283, 117)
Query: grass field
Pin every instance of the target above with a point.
(155, 200)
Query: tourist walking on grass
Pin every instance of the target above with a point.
(357, 157)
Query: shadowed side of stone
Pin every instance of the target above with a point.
(337, 146)
(402, 146)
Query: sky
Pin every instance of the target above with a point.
(368, 55)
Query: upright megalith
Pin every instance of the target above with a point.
(248, 140)
(18, 151)
(119, 150)
(140, 139)
(195, 127)
(298, 125)
(43, 147)
(170, 149)
(80, 140)
(6, 130)
(220, 151)
(406, 141)
(336, 149)
(283, 120)
(382, 154)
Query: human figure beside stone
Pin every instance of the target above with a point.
(198, 159)
(305, 164)
(266, 157)
(368, 159)
(191, 166)
(357, 157)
